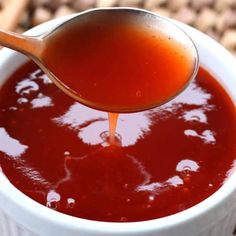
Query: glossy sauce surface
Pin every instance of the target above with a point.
(169, 158)
(118, 66)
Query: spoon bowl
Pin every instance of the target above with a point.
(88, 59)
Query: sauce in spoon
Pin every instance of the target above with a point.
(117, 60)
(110, 63)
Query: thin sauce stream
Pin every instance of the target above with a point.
(112, 118)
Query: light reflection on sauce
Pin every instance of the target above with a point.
(10, 146)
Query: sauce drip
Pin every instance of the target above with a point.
(118, 66)
(169, 158)
(113, 118)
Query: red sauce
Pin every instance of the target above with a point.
(117, 65)
(170, 158)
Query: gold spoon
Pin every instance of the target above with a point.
(34, 47)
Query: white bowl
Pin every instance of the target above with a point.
(215, 216)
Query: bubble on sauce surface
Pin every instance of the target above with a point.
(128, 200)
(66, 153)
(187, 166)
(53, 199)
(151, 198)
(22, 101)
(210, 185)
(12, 108)
(125, 186)
(70, 202)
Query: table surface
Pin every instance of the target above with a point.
(213, 17)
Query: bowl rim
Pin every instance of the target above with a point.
(39, 211)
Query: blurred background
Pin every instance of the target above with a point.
(216, 18)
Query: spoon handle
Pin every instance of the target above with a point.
(32, 46)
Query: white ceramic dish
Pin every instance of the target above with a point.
(215, 216)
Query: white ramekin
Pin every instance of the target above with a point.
(215, 216)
